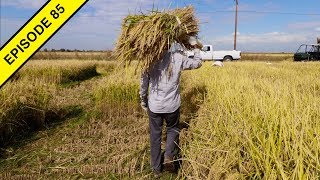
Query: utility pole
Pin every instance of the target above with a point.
(235, 27)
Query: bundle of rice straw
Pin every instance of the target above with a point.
(146, 37)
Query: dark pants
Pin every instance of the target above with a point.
(156, 122)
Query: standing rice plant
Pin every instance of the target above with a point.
(26, 103)
(23, 108)
(146, 37)
(119, 94)
(258, 121)
(57, 72)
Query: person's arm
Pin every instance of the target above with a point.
(192, 63)
(144, 85)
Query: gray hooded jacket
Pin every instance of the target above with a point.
(160, 87)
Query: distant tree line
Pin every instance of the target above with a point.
(70, 50)
(59, 54)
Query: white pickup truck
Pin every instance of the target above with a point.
(207, 53)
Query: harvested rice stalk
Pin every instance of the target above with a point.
(146, 37)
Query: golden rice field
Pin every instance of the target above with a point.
(71, 119)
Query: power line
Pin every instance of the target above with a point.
(201, 12)
(262, 12)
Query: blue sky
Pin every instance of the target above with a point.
(263, 26)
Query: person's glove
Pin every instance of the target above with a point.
(193, 41)
(144, 105)
(144, 102)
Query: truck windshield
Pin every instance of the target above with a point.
(308, 48)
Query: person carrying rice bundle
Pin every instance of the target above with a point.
(161, 69)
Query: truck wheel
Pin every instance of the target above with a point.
(227, 58)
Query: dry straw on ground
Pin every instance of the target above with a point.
(146, 37)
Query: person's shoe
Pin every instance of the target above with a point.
(168, 164)
(156, 174)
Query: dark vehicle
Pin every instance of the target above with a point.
(307, 52)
